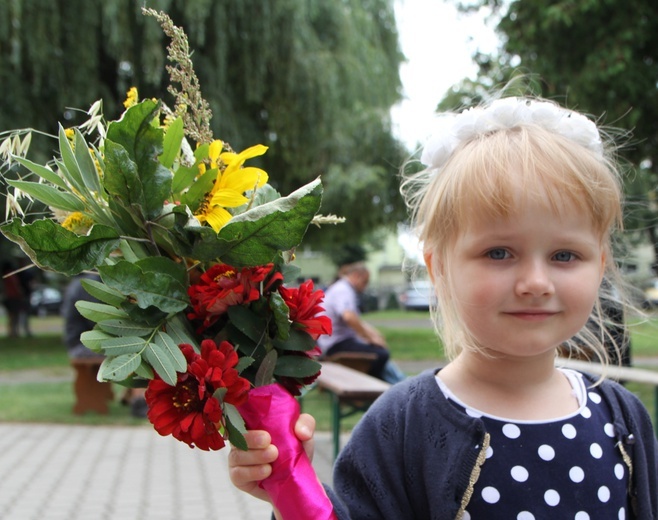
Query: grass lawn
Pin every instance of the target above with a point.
(409, 335)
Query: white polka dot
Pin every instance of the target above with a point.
(576, 474)
(511, 431)
(595, 398)
(586, 413)
(489, 452)
(581, 515)
(569, 431)
(622, 514)
(525, 515)
(609, 430)
(546, 452)
(552, 497)
(603, 493)
(467, 515)
(619, 471)
(519, 473)
(490, 495)
(595, 450)
(473, 413)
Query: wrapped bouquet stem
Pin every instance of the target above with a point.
(293, 486)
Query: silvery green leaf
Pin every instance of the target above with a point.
(166, 342)
(99, 311)
(161, 360)
(118, 368)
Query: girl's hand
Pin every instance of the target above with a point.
(248, 468)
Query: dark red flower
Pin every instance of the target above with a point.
(304, 307)
(189, 411)
(222, 286)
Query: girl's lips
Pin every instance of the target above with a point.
(532, 315)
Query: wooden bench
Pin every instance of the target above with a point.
(351, 391)
(361, 361)
(636, 375)
(90, 394)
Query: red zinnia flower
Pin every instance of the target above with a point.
(304, 306)
(222, 286)
(189, 411)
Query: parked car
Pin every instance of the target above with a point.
(418, 296)
(651, 295)
(45, 301)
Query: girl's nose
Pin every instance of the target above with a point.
(534, 279)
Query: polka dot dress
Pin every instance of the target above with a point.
(567, 468)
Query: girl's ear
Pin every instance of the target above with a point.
(604, 258)
(429, 265)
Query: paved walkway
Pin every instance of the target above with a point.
(61, 472)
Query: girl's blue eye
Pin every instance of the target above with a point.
(564, 256)
(497, 254)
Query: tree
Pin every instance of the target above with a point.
(597, 57)
(312, 80)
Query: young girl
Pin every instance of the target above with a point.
(515, 211)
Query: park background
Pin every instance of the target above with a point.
(330, 87)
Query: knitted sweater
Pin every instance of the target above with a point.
(415, 456)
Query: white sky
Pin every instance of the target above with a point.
(438, 43)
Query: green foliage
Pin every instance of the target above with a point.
(599, 57)
(313, 80)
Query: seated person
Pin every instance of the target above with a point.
(350, 332)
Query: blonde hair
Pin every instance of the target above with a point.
(481, 175)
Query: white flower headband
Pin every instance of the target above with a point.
(453, 129)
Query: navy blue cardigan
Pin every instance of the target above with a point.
(412, 454)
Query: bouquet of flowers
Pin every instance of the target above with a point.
(193, 248)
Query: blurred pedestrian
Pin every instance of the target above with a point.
(13, 298)
(350, 332)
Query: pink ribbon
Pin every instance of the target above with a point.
(293, 485)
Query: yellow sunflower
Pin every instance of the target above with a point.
(232, 182)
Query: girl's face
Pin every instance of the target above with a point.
(523, 285)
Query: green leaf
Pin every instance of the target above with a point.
(50, 246)
(144, 144)
(298, 340)
(266, 369)
(235, 430)
(125, 328)
(99, 311)
(179, 329)
(162, 361)
(49, 195)
(173, 139)
(102, 292)
(93, 339)
(198, 190)
(164, 266)
(167, 343)
(146, 287)
(123, 345)
(244, 362)
(71, 170)
(296, 366)
(281, 315)
(121, 176)
(86, 164)
(144, 370)
(249, 323)
(45, 173)
(256, 236)
(118, 368)
(183, 178)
